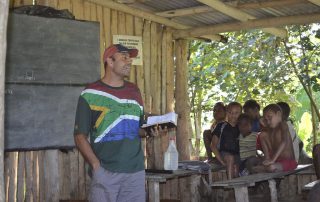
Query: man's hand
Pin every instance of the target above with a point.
(158, 130)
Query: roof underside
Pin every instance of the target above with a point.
(196, 15)
(215, 17)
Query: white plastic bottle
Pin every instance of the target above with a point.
(171, 156)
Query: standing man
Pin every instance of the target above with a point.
(108, 119)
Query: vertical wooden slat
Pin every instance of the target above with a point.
(154, 78)
(170, 72)
(78, 10)
(184, 189)
(6, 174)
(64, 174)
(146, 46)
(153, 68)
(29, 176)
(102, 39)
(42, 191)
(182, 100)
(12, 190)
(74, 173)
(174, 191)
(87, 11)
(121, 23)
(114, 23)
(65, 4)
(130, 31)
(52, 175)
(164, 68)
(21, 176)
(138, 23)
(107, 26)
(93, 12)
(35, 168)
(157, 100)
(53, 3)
(82, 178)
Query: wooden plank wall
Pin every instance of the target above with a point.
(52, 175)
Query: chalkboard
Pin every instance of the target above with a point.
(52, 50)
(49, 61)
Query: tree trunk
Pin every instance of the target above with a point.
(4, 9)
(182, 100)
(313, 103)
(314, 126)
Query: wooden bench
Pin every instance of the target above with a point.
(154, 179)
(241, 184)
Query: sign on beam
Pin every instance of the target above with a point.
(131, 42)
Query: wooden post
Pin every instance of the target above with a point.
(4, 9)
(182, 100)
(241, 194)
(154, 193)
(273, 190)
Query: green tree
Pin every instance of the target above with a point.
(254, 65)
(302, 50)
(244, 68)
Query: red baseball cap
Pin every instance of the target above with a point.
(118, 48)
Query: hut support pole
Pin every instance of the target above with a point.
(4, 9)
(182, 105)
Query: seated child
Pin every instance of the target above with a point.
(276, 143)
(252, 108)
(247, 143)
(219, 115)
(295, 138)
(225, 142)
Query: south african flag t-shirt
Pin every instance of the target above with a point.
(112, 116)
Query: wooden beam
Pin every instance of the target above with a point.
(316, 2)
(182, 105)
(235, 4)
(268, 4)
(240, 15)
(185, 11)
(251, 24)
(144, 15)
(4, 9)
(139, 13)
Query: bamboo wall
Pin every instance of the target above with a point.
(52, 175)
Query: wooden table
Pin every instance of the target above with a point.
(154, 180)
(241, 184)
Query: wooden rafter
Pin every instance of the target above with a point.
(146, 15)
(251, 24)
(205, 9)
(240, 15)
(316, 2)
